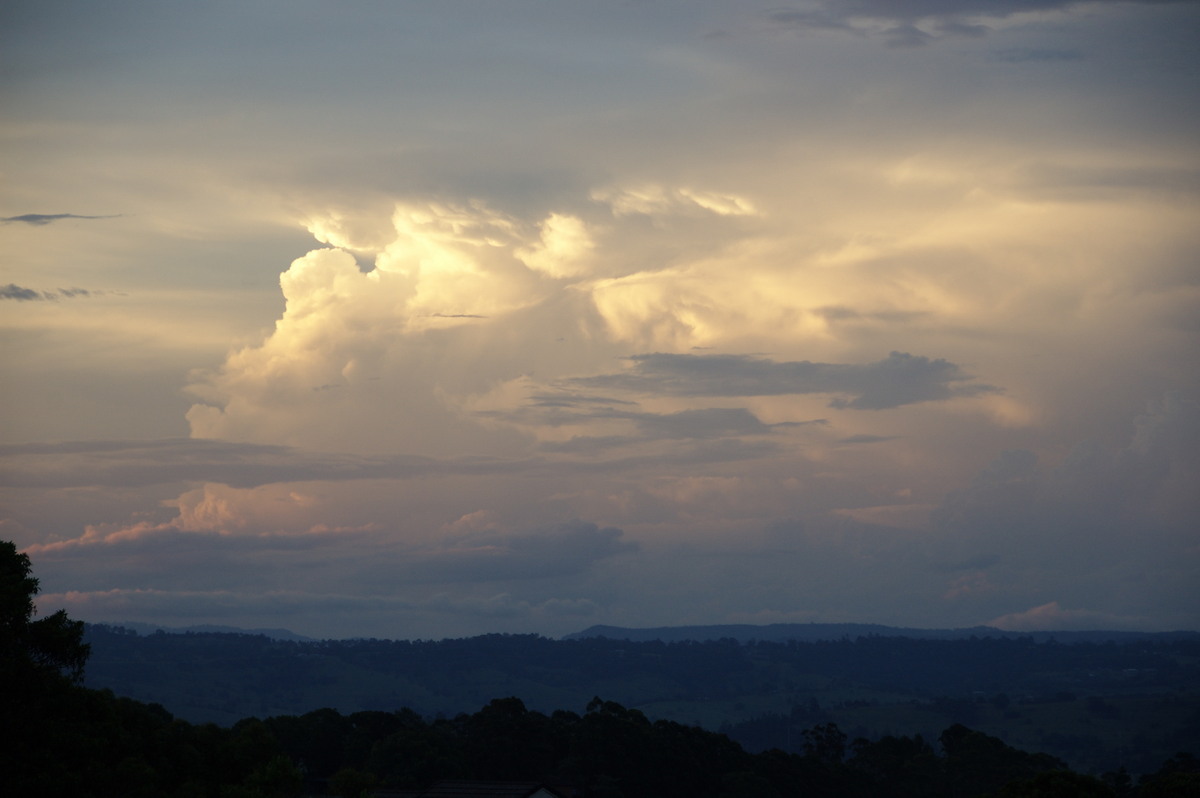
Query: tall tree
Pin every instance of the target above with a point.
(52, 645)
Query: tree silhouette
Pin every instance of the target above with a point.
(28, 648)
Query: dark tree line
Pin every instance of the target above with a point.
(709, 669)
(1096, 705)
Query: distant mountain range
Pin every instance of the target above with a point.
(1103, 700)
(814, 632)
(207, 628)
(743, 633)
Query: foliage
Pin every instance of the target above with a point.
(28, 649)
(1095, 705)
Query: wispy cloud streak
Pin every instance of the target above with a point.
(20, 293)
(40, 219)
(900, 379)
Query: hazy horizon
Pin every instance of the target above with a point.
(143, 629)
(408, 320)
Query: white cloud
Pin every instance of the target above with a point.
(358, 346)
(652, 199)
(563, 249)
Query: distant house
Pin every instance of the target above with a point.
(480, 789)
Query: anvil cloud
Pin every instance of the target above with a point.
(432, 319)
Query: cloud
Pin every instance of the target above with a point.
(835, 314)
(563, 249)
(40, 219)
(388, 336)
(273, 517)
(898, 380)
(216, 520)
(715, 422)
(1017, 55)
(1111, 526)
(559, 550)
(562, 410)
(653, 199)
(451, 284)
(1051, 617)
(118, 604)
(156, 462)
(21, 294)
(857, 439)
(13, 291)
(574, 400)
(1077, 182)
(588, 444)
(1096, 490)
(491, 240)
(969, 585)
(913, 23)
(896, 25)
(333, 615)
(218, 559)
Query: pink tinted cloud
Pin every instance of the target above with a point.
(1052, 616)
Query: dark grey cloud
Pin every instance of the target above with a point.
(156, 462)
(381, 562)
(912, 10)
(937, 18)
(565, 408)
(1017, 55)
(701, 424)
(168, 558)
(899, 379)
(715, 422)
(22, 294)
(1063, 182)
(570, 400)
(134, 464)
(14, 291)
(588, 444)
(907, 35)
(559, 550)
(689, 453)
(810, 19)
(979, 562)
(324, 615)
(867, 439)
(46, 218)
(1101, 511)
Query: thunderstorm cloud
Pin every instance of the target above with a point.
(434, 324)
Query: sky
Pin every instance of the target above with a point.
(419, 320)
